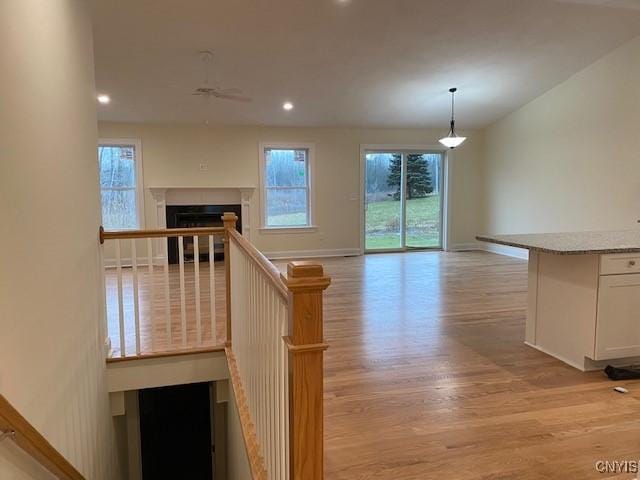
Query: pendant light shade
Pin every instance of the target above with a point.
(452, 140)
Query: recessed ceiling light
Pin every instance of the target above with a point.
(104, 99)
(287, 106)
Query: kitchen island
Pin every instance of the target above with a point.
(584, 295)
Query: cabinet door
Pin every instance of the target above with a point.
(618, 321)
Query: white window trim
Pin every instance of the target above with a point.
(311, 227)
(139, 170)
(446, 182)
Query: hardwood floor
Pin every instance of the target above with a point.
(427, 377)
(159, 340)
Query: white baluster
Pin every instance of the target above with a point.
(151, 294)
(120, 300)
(284, 313)
(276, 385)
(252, 345)
(269, 382)
(260, 321)
(183, 305)
(261, 363)
(212, 290)
(265, 372)
(136, 301)
(167, 295)
(196, 269)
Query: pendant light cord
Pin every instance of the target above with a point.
(453, 122)
(453, 96)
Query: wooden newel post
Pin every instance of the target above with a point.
(306, 282)
(229, 219)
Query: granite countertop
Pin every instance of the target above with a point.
(571, 243)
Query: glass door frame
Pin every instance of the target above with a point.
(405, 150)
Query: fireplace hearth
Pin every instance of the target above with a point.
(191, 216)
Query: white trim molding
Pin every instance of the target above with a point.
(507, 251)
(466, 247)
(295, 254)
(276, 230)
(491, 248)
(164, 196)
(311, 170)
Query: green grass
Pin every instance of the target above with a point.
(423, 223)
(287, 219)
(383, 223)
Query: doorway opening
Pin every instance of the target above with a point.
(403, 199)
(176, 432)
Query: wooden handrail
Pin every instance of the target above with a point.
(302, 289)
(261, 262)
(251, 444)
(32, 442)
(159, 233)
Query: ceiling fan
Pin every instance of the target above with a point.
(207, 91)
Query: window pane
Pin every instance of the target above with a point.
(383, 208)
(423, 200)
(119, 209)
(286, 168)
(117, 166)
(287, 207)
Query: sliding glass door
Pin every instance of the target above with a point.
(403, 200)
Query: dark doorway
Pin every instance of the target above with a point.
(175, 432)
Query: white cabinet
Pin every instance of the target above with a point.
(619, 263)
(585, 309)
(618, 317)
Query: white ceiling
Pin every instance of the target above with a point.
(349, 62)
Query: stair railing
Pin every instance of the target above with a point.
(275, 351)
(14, 427)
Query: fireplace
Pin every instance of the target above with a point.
(190, 216)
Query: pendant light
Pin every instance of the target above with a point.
(452, 140)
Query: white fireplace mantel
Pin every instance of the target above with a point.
(164, 196)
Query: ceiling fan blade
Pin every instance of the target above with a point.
(237, 98)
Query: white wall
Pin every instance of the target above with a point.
(52, 366)
(570, 160)
(16, 464)
(238, 467)
(172, 155)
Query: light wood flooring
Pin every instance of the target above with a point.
(154, 336)
(427, 376)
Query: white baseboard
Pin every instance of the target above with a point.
(340, 252)
(466, 247)
(282, 255)
(346, 252)
(521, 253)
(492, 248)
(126, 262)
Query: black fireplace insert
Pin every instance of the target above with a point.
(191, 216)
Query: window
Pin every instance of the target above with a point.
(403, 198)
(120, 167)
(286, 181)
